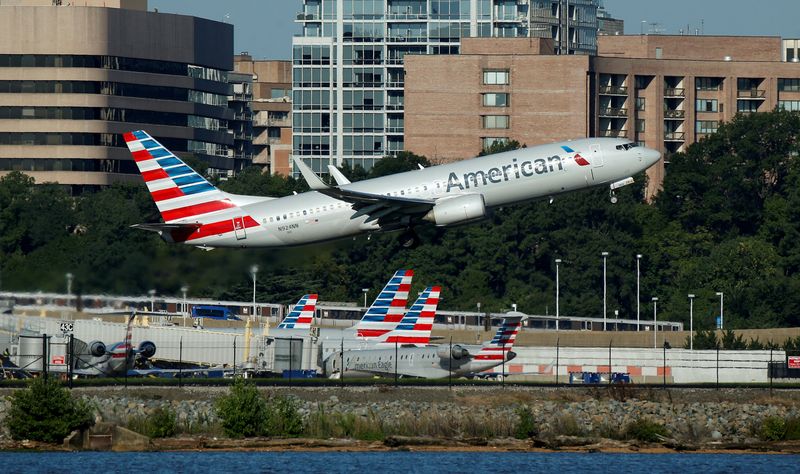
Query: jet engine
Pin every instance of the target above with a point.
(97, 348)
(456, 353)
(457, 210)
(147, 349)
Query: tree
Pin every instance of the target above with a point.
(243, 411)
(46, 411)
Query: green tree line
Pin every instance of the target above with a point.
(726, 220)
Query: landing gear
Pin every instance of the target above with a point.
(614, 198)
(409, 239)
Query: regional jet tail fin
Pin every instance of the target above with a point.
(415, 327)
(388, 308)
(502, 343)
(301, 315)
(183, 196)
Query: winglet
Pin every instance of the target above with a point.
(338, 176)
(314, 182)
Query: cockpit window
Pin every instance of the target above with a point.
(627, 146)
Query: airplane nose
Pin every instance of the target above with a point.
(649, 156)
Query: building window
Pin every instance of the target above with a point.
(495, 121)
(708, 83)
(790, 105)
(495, 99)
(640, 125)
(495, 76)
(706, 105)
(640, 102)
(707, 126)
(789, 85)
(488, 142)
(659, 53)
(277, 93)
(747, 106)
(789, 54)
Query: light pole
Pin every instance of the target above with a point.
(655, 321)
(605, 256)
(638, 287)
(721, 314)
(641, 27)
(558, 261)
(253, 274)
(365, 290)
(184, 290)
(691, 322)
(69, 277)
(152, 294)
(479, 313)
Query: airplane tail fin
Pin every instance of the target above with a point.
(388, 308)
(126, 347)
(182, 195)
(301, 315)
(415, 327)
(503, 341)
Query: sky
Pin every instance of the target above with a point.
(264, 28)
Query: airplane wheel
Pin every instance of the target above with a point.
(614, 199)
(409, 239)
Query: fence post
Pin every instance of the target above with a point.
(234, 356)
(557, 347)
(71, 358)
(450, 366)
(45, 356)
(609, 360)
(180, 362)
(396, 361)
(717, 367)
(769, 371)
(664, 366)
(341, 372)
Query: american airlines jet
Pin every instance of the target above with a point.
(197, 213)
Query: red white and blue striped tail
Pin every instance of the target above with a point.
(415, 327)
(499, 347)
(301, 315)
(388, 308)
(182, 195)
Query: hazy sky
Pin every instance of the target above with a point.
(265, 27)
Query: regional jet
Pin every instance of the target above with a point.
(429, 361)
(197, 213)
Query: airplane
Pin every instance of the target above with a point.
(430, 361)
(117, 359)
(301, 315)
(197, 213)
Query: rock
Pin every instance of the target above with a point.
(716, 435)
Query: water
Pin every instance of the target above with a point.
(396, 462)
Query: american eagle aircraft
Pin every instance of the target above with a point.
(197, 213)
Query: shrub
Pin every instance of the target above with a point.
(46, 411)
(792, 429)
(646, 430)
(243, 411)
(526, 426)
(283, 417)
(162, 423)
(773, 428)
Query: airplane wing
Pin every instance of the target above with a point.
(389, 211)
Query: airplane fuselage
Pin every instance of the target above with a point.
(501, 179)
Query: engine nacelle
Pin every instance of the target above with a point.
(147, 349)
(97, 348)
(457, 210)
(456, 353)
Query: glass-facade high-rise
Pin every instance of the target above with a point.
(348, 62)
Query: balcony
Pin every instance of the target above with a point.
(757, 94)
(674, 136)
(406, 39)
(674, 92)
(302, 16)
(613, 112)
(394, 106)
(674, 114)
(406, 16)
(614, 133)
(614, 90)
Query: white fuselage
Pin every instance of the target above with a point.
(503, 178)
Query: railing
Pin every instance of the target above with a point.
(616, 133)
(751, 94)
(392, 16)
(679, 114)
(674, 92)
(302, 16)
(394, 106)
(614, 90)
(406, 39)
(395, 84)
(614, 112)
(674, 136)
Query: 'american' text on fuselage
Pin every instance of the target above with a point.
(504, 173)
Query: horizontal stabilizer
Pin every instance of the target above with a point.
(171, 232)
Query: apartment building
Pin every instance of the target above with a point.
(272, 111)
(664, 92)
(348, 75)
(74, 78)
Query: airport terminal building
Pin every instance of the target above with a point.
(74, 78)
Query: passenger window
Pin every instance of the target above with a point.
(278, 218)
(270, 219)
(304, 212)
(284, 217)
(402, 192)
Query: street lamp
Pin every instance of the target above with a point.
(655, 320)
(605, 256)
(721, 314)
(558, 260)
(69, 277)
(641, 27)
(365, 290)
(638, 259)
(184, 290)
(152, 294)
(253, 274)
(691, 322)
